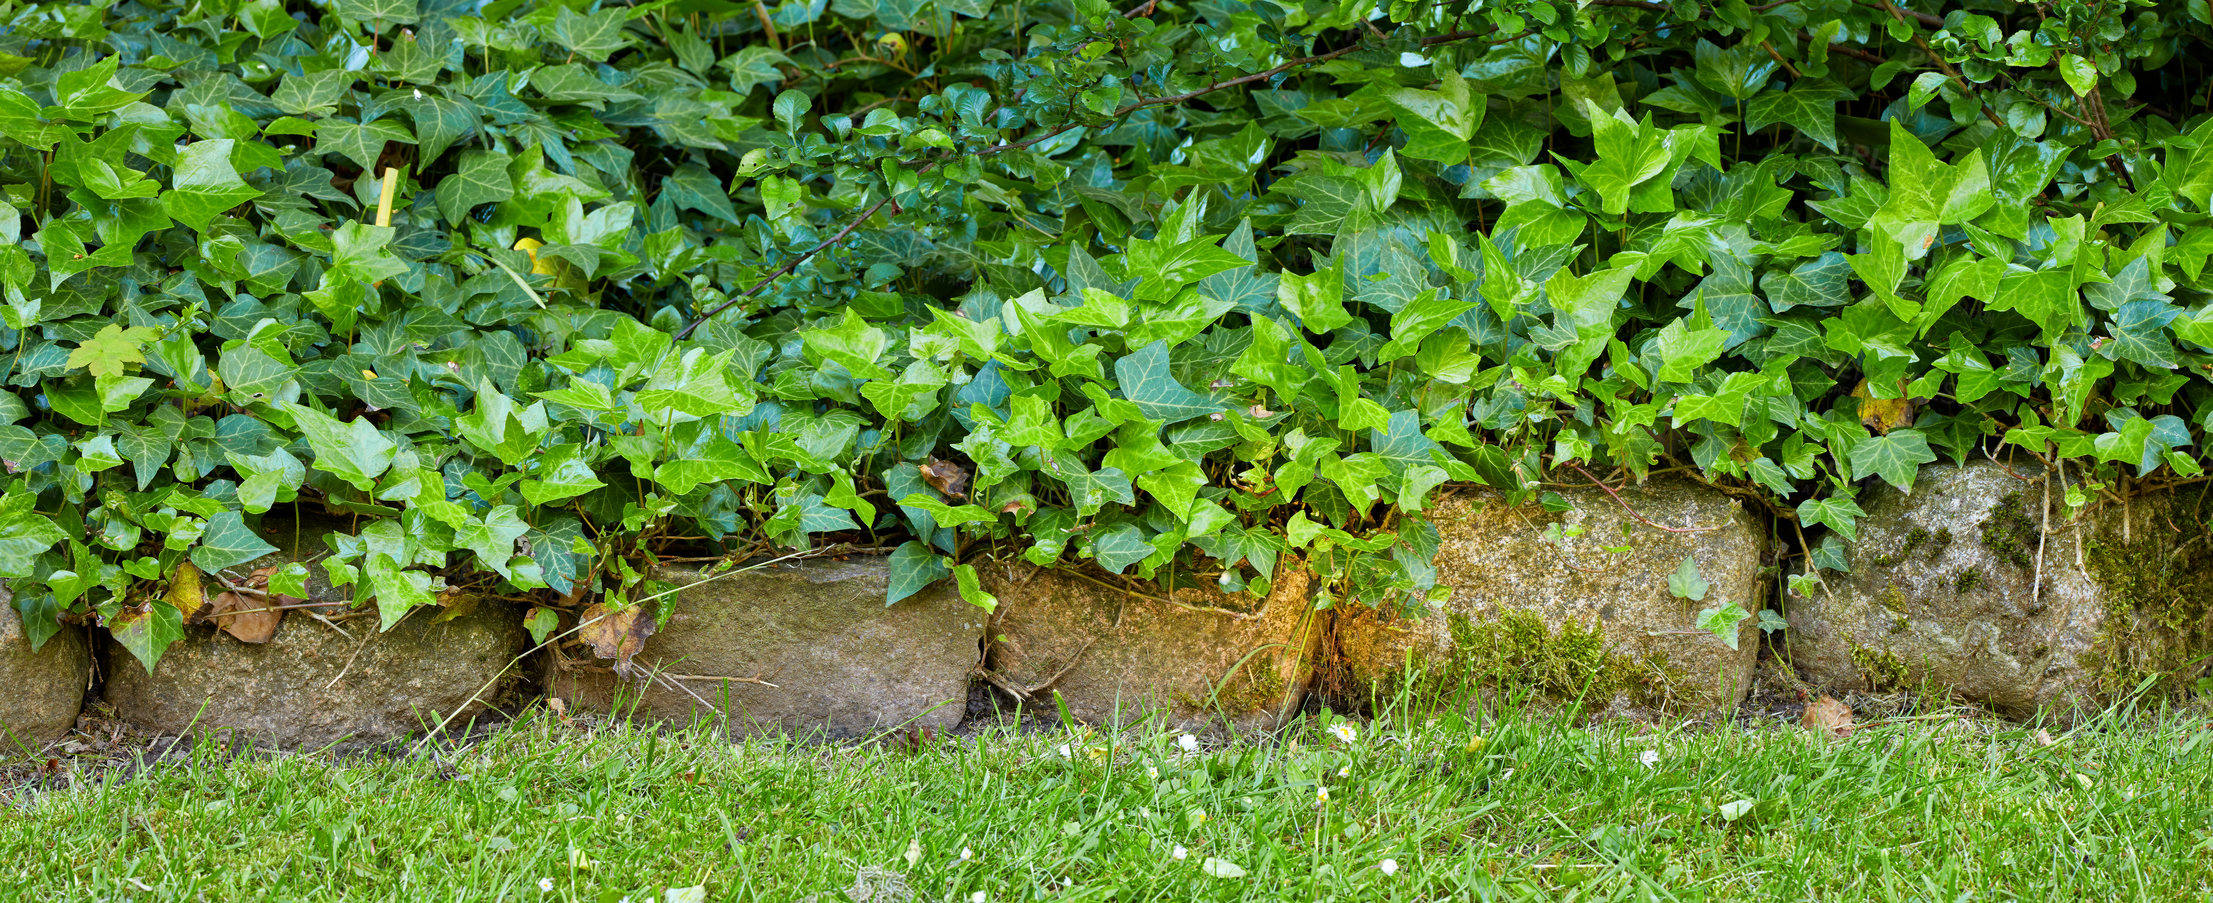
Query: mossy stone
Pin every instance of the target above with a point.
(1198, 659)
(2019, 618)
(40, 691)
(804, 648)
(1583, 612)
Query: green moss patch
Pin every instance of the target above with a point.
(2010, 533)
(2157, 582)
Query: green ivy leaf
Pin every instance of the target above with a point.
(148, 633)
(1895, 457)
(357, 452)
(228, 543)
(1147, 383)
(913, 567)
(1686, 584)
(205, 185)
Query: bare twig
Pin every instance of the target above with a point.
(1625, 506)
(755, 679)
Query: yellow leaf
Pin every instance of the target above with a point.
(530, 246)
(185, 590)
(1883, 414)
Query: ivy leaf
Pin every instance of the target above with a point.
(1896, 457)
(1811, 109)
(480, 179)
(1839, 512)
(1630, 153)
(562, 474)
(360, 254)
(593, 36)
(1824, 281)
(112, 350)
(913, 567)
(148, 633)
(228, 543)
(696, 384)
(205, 184)
(21, 120)
(383, 12)
(2047, 297)
(1686, 584)
(357, 452)
(397, 590)
(360, 142)
(493, 538)
(972, 588)
(1147, 383)
(1318, 298)
(1684, 351)
(2140, 334)
(1439, 124)
(1722, 622)
(1925, 193)
(852, 343)
(1119, 546)
(25, 535)
(86, 94)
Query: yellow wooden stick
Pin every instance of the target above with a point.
(384, 199)
(384, 204)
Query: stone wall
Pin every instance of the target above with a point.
(1982, 584)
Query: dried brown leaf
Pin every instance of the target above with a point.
(2043, 738)
(249, 618)
(454, 603)
(1828, 717)
(946, 477)
(615, 634)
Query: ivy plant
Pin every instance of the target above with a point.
(535, 293)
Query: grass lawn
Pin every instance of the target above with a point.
(2119, 809)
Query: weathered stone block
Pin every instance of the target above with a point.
(1571, 615)
(40, 692)
(1199, 660)
(311, 685)
(805, 648)
(1980, 584)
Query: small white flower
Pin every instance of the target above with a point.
(1649, 757)
(418, 93)
(1344, 731)
(1388, 866)
(967, 854)
(1178, 853)
(1188, 742)
(1063, 750)
(1152, 772)
(1321, 794)
(545, 885)
(977, 897)
(1345, 772)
